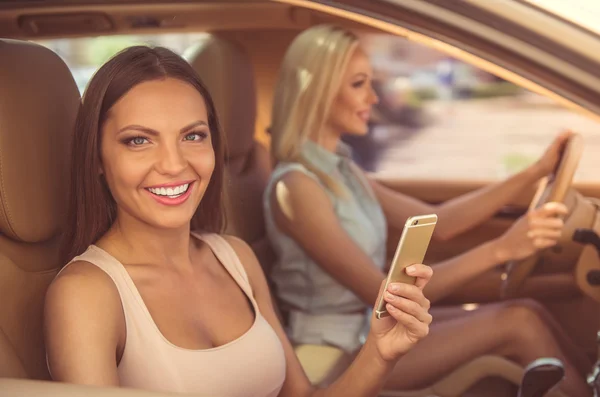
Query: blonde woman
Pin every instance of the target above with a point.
(327, 222)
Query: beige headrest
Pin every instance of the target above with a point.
(38, 105)
(227, 72)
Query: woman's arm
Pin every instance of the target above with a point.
(303, 211)
(83, 322)
(459, 214)
(462, 213)
(538, 229)
(369, 370)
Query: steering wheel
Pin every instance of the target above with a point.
(552, 188)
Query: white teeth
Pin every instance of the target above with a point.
(171, 192)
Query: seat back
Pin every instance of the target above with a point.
(227, 71)
(38, 105)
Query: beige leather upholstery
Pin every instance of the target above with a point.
(227, 71)
(490, 376)
(38, 105)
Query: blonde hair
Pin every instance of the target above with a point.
(309, 80)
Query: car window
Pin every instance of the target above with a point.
(85, 55)
(440, 118)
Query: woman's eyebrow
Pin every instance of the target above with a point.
(153, 132)
(136, 127)
(194, 124)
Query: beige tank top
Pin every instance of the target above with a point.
(252, 365)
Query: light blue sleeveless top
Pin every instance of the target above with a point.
(326, 312)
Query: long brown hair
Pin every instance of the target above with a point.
(92, 209)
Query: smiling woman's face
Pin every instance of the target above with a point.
(157, 154)
(351, 107)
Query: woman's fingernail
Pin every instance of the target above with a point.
(394, 288)
(411, 270)
(389, 296)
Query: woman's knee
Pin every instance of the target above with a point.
(525, 322)
(531, 304)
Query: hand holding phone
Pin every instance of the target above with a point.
(411, 250)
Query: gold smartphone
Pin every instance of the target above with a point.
(411, 250)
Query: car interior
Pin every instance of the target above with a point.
(238, 61)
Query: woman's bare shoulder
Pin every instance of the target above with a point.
(82, 290)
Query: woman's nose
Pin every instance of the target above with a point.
(373, 98)
(171, 160)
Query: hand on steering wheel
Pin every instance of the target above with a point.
(552, 188)
(539, 229)
(548, 163)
